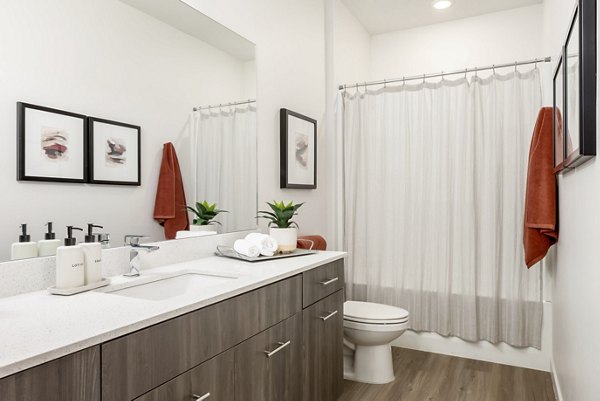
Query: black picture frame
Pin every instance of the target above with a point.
(22, 132)
(91, 121)
(286, 173)
(558, 90)
(585, 20)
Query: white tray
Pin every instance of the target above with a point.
(77, 290)
(228, 252)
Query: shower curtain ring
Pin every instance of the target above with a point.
(424, 78)
(516, 63)
(494, 69)
(385, 83)
(404, 81)
(466, 70)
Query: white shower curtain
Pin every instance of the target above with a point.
(434, 200)
(225, 144)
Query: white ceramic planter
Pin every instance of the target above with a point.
(286, 238)
(207, 227)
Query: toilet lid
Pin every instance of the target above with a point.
(368, 312)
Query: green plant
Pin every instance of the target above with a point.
(205, 213)
(281, 216)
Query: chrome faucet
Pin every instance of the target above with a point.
(134, 242)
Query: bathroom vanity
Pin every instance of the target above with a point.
(273, 333)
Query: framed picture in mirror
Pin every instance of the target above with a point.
(115, 153)
(51, 144)
(579, 74)
(558, 102)
(298, 153)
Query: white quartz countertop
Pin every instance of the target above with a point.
(38, 327)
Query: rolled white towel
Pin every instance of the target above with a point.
(267, 244)
(246, 248)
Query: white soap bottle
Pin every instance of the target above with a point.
(70, 270)
(48, 246)
(92, 255)
(24, 249)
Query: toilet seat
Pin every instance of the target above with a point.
(368, 313)
(375, 328)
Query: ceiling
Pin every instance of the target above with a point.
(381, 16)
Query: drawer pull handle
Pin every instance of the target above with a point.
(276, 350)
(330, 281)
(201, 397)
(329, 316)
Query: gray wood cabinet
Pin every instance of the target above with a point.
(210, 381)
(323, 349)
(74, 377)
(281, 342)
(139, 362)
(268, 367)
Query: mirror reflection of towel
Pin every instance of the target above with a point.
(541, 207)
(169, 207)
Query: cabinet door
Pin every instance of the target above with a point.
(268, 366)
(323, 349)
(74, 377)
(211, 381)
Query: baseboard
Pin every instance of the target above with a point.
(505, 354)
(555, 382)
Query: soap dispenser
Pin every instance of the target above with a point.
(91, 237)
(92, 255)
(48, 246)
(70, 271)
(23, 249)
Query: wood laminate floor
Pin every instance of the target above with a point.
(423, 376)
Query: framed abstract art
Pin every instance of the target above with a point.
(298, 151)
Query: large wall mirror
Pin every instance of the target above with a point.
(156, 64)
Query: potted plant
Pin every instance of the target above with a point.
(281, 226)
(205, 214)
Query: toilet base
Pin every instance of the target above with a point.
(369, 364)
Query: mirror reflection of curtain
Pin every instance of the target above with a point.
(226, 163)
(434, 202)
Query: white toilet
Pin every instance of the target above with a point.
(369, 330)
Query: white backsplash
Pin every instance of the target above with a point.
(21, 276)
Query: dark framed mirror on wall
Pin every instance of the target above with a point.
(575, 90)
(558, 101)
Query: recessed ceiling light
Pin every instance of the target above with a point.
(441, 4)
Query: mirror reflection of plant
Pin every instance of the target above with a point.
(205, 213)
(282, 214)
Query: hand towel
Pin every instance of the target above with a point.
(267, 244)
(169, 206)
(246, 248)
(541, 208)
(312, 242)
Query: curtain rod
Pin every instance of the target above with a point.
(214, 106)
(443, 74)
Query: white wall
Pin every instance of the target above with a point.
(576, 295)
(289, 37)
(352, 46)
(496, 38)
(104, 59)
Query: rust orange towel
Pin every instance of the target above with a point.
(318, 243)
(541, 209)
(169, 207)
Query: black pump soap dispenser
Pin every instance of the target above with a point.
(48, 246)
(24, 248)
(91, 237)
(70, 241)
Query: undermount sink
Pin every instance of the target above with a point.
(170, 287)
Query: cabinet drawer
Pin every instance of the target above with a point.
(268, 366)
(211, 381)
(323, 349)
(74, 377)
(322, 281)
(139, 362)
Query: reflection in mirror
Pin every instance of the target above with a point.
(572, 95)
(147, 63)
